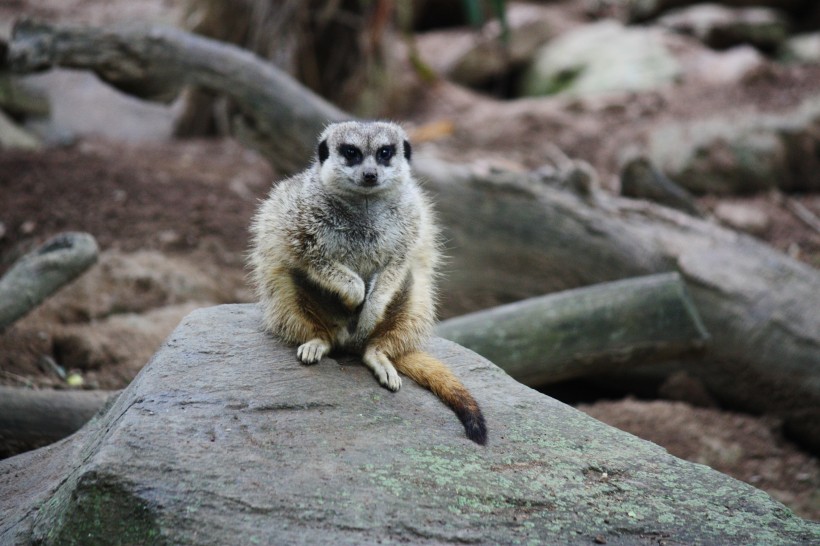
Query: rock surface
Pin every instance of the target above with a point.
(745, 153)
(641, 10)
(743, 217)
(722, 27)
(224, 438)
(599, 58)
(803, 48)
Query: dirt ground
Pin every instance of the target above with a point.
(189, 202)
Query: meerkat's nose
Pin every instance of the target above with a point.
(370, 178)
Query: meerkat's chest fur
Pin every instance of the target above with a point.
(362, 234)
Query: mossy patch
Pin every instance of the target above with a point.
(98, 510)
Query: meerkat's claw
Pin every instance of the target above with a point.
(389, 378)
(383, 369)
(393, 380)
(312, 351)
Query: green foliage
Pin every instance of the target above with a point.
(476, 10)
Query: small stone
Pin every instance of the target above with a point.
(743, 217)
(803, 48)
(683, 387)
(599, 539)
(169, 237)
(27, 227)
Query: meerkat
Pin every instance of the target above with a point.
(344, 258)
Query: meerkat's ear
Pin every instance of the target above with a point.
(408, 151)
(324, 153)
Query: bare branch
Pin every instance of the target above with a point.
(39, 274)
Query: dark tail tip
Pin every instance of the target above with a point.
(474, 425)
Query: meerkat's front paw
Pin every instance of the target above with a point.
(391, 379)
(383, 369)
(312, 351)
(352, 292)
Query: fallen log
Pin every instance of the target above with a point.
(42, 272)
(34, 418)
(605, 328)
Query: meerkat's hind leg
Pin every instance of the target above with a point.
(382, 368)
(312, 351)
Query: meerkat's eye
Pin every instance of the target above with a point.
(351, 153)
(385, 154)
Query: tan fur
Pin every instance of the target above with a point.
(344, 257)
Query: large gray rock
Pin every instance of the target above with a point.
(599, 58)
(744, 153)
(641, 10)
(802, 48)
(224, 438)
(722, 27)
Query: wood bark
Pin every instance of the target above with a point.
(512, 236)
(642, 180)
(33, 418)
(587, 331)
(42, 272)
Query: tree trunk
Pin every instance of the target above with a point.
(587, 331)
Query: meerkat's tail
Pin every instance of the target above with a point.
(434, 375)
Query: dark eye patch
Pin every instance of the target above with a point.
(352, 154)
(385, 154)
(323, 151)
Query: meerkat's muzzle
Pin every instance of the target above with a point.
(370, 179)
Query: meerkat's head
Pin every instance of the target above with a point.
(363, 157)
